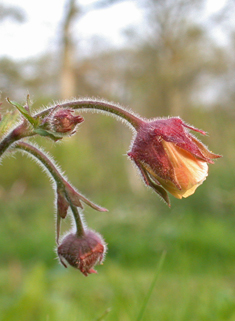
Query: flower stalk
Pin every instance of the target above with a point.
(77, 218)
(16, 134)
(67, 196)
(169, 159)
(38, 120)
(92, 104)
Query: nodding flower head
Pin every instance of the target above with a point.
(64, 122)
(82, 252)
(170, 158)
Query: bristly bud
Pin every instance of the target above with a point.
(59, 123)
(82, 252)
(170, 158)
(64, 122)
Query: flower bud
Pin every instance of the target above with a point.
(82, 252)
(63, 121)
(170, 158)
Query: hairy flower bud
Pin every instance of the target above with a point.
(63, 121)
(82, 252)
(170, 158)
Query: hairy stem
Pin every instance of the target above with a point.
(22, 130)
(16, 134)
(60, 181)
(134, 120)
(44, 160)
(78, 221)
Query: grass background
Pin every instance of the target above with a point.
(197, 278)
(196, 281)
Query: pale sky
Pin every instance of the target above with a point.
(40, 31)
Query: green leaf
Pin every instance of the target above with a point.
(24, 112)
(43, 132)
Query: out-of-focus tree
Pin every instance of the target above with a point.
(67, 74)
(169, 64)
(34, 76)
(72, 72)
(225, 86)
(176, 52)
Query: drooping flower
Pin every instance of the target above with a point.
(82, 252)
(170, 158)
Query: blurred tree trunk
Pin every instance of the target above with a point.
(68, 73)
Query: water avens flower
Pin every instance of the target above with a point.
(82, 252)
(170, 158)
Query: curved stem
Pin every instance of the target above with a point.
(60, 181)
(43, 159)
(131, 118)
(22, 131)
(16, 134)
(73, 194)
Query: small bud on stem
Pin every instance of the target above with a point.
(64, 122)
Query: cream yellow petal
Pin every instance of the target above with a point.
(189, 171)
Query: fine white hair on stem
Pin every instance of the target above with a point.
(42, 158)
(97, 106)
(37, 161)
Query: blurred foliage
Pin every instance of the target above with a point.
(171, 65)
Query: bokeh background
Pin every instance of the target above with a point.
(160, 58)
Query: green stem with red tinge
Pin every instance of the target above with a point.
(23, 129)
(131, 118)
(16, 134)
(60, 181)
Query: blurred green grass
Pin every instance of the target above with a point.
(197, 279)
